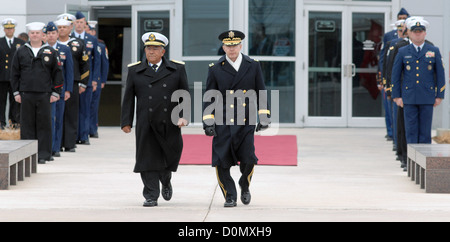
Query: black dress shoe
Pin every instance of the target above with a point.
(56, 154)
(150, 203)
(69, 149)
(41, 161)
(229, 203)
(246, 197)
(166, 192)
(84, 142)
(94, 135)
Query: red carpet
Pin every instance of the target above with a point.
(280, 150)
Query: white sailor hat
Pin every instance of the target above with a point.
(67, 16)
(153, 38)
(92, 23)
(62, 22)
(417, 23)
(9, 23)
(399, 23)
(33, 26)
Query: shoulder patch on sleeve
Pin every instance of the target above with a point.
(178, 62)
(133, 64)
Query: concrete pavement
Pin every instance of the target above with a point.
(343, 174)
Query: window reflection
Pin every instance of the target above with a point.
(203, 21)
(280, 76)
(272, 27)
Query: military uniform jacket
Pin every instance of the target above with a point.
(91, 45)
(36, 74)
(158, 141)
(6, 57)
(395, 46)
(66, 60)
(104, 62)
(235, 138)
(80, 61)
(423, 75)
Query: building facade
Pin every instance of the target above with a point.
(320, 57)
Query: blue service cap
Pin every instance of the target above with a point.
(79, 15)
(50, 27)
(403, 12)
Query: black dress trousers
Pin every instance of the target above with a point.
(35, 115)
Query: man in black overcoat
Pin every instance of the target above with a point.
(159, 143)
(234, 88)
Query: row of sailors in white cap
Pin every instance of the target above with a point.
(95, 71)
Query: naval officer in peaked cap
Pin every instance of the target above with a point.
(159, 143)
(233, 137)
(423, 84)
(8, 47)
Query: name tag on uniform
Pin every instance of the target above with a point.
(408, 57)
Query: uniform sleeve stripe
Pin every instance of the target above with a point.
(86, 74)
(211, 116)
(264, 111)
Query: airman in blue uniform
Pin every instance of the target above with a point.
(95, 102)
(91, 44)
(423, 84)
(66, 61)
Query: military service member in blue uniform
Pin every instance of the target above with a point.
(423, 83)
(91, 44)
(80, 76)
(387, 103)
(95, 102)
(65, 57)
(159, 143)
(233, 141)
(36, 81)
(8, 46)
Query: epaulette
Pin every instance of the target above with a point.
(178, 62)
(133, 64)
(211, 65)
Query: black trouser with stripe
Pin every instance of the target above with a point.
(226, 182)
(151, 181)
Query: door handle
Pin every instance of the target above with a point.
(353, 69)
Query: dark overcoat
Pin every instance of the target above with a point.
(234, 141)
(158, 141)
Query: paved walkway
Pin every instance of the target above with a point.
(347, 174)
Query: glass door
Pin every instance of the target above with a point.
(343, 44)
(365, 103)
(325, 70)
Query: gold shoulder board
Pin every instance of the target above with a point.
(133, 64)
(211, 65)
(178, 62)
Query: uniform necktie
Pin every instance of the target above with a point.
(155, 66)
(418, 49)
(10, 44)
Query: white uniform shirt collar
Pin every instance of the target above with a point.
(158, 64)
(421, 46)
(237, 63)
